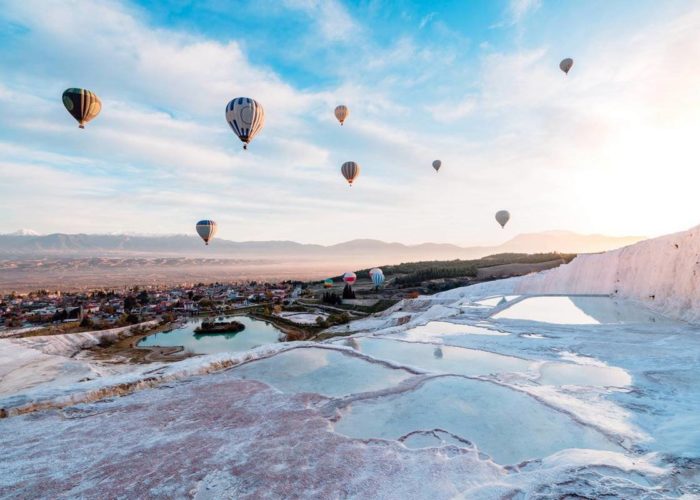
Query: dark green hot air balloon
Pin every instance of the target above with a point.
(82, 104)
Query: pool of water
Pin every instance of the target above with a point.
(256, 333)
(474, 362)
(442, 359)
(322, 371)
(507, 425)
(579, 310)
(442, 328)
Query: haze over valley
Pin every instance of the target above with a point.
(29, 261)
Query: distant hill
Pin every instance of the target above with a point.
(28, 245)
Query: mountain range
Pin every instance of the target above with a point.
(27, 244)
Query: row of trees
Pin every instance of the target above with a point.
(415, 273)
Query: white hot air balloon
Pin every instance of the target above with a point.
(246, 117)
(503, 216)
(375, 270)
(341, 113)
(566, 64)
(350, 278)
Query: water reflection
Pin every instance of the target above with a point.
(579, 310)
(256, 333)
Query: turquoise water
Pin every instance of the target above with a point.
(256, 333)
(322, 371)
(507, 425)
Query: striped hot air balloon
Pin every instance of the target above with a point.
(82, 104)
(206, 229)
(375, 270)
(350, 278)
(246, 117)
(328, 283)
(341, 113)
(378, 279)
(350, 171)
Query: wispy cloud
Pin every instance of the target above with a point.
(518, 9)
(332, 18)
(426, 19)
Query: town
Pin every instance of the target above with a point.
(310, 305)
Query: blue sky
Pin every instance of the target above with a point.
(612, 148)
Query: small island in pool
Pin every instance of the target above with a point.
(209, 327)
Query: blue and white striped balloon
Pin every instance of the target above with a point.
(378, 279)
(246, 117)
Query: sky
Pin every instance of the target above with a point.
(612, 148)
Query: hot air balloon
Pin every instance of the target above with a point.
(341, 113)
(328, 283)
(438, 353)
(246, 118)
(350, 171)
(502, 216)
(82, 104)
(206, 229)
(375, 270)
(350, 278)
(436, 165)
(566, 64)
(352, 342)
(378, 279)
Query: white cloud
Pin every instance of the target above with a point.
(518, 9)
(333, 19)
(426, 19)
(447, 112)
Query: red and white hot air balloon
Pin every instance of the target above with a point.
(350, 278)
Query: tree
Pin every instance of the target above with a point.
(59, 315)
(143, 297)
(347, 292)
(129, 303)
(331, 298)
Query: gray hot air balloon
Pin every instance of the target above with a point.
(566, 64)
(437, 164)
(206, 229)
(502, 216)
(350, 171)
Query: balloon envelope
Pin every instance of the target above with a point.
(437, 164)
(328, 283)
(502, 216)
(246, 117)
(350, 171)
(566, 64)
(349, 278)
(341, 113)
(206, 229)
(375, 270)
(378, 279)
(82, 104)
